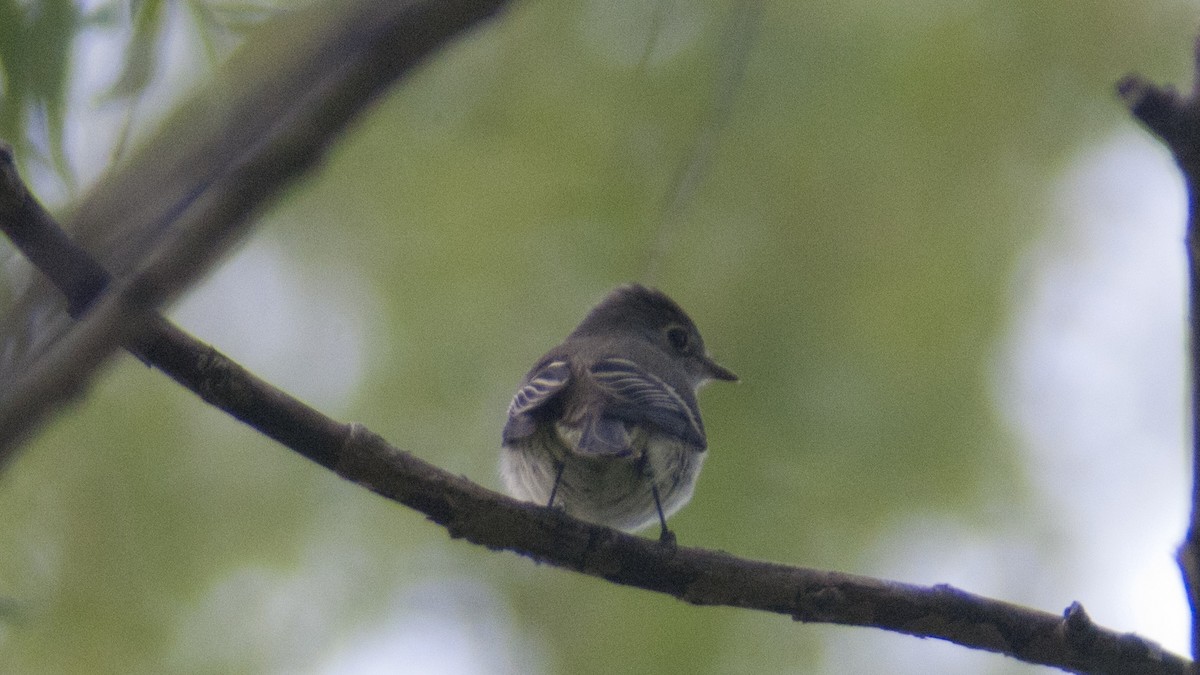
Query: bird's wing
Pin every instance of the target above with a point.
(540, 386)
(636, 396)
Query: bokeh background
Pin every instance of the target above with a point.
(944, 260)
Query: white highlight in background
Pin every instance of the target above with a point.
(1092, 380)
(304, 333)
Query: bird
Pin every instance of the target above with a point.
(605, 426)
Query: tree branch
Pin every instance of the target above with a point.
(1176, 122)
(468, 511)
(191, 191)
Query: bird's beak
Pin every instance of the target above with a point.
(719, 372)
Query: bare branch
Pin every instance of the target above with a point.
(702, 577)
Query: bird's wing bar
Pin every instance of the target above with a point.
(539, 387)
(638, 396)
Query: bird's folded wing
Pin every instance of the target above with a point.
(637, 396)
(540, 386)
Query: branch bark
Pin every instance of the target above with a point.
(1070, 641)
(1175, 120)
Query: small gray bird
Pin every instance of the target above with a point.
(606, 425)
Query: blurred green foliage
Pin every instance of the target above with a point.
(39, 40)
(848, 253)
(35, 48)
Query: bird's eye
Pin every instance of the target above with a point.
(679, 339)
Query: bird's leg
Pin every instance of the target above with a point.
(665, 537)
(557, 480)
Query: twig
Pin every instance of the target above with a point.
(738, 41)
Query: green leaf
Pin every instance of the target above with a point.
(141, 54)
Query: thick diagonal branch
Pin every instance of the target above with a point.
(192, 189)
